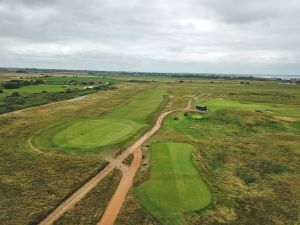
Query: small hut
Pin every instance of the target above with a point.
(202, 108)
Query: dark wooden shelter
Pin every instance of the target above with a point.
(202, 108)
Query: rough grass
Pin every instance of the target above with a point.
(175, 185)
(115, 128)
(90, 209)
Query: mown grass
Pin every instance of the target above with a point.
(114, 128)
(175, 186)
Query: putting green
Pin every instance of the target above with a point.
(95, 133)
(175, 186)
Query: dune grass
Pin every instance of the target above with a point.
(175, 186)
(117, 127)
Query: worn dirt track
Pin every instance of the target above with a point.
(111, 211)
(115, 204)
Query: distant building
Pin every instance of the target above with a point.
(88, 87)
(201, 108)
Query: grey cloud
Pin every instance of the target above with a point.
(158, 35)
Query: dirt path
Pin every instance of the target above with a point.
(114, 206)
(112, 210)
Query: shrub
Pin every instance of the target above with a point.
(38, 81)
(1, 91)
(15, 94)
(12, 85)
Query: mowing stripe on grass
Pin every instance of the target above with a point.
(175, 186)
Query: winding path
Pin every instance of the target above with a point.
(119, 196)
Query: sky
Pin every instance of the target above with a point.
(193, 36)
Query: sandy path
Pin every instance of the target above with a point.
(115, 204)
(112, 210)
(114, 163)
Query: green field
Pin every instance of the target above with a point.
(273, 108)
(175, 186)
(66, 79)
(115, 128)
(37, 89)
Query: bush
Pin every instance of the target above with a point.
(38, 81)
(15, 94)
(1, 91)
(12, 85)
(186, 114)
(175, 118)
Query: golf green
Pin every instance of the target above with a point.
(175, 185)
(95, 133)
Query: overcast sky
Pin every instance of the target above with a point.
(222, 36)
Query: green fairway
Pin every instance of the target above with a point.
(175, 186)
(115, 128)
(275, 108)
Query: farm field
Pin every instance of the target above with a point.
(115, 128)
(175, 186)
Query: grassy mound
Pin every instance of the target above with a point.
(175, 185)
